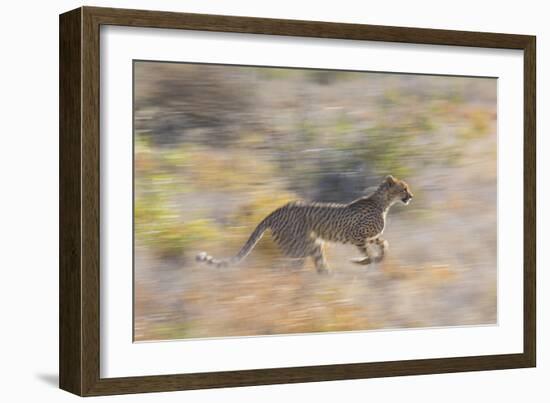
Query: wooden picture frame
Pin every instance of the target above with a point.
(79, 348)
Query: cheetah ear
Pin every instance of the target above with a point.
(390, 180)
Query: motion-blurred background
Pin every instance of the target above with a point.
(217, 148)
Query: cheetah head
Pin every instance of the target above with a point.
(397, 190)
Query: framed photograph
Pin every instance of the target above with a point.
(249, 201)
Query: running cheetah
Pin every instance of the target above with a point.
(300, 228)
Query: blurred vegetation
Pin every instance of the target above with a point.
(217, 148)
(158, 223)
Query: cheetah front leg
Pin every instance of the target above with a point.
(383, 247)
(362, 260)
(368, 259)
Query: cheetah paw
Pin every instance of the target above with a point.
(361, 260)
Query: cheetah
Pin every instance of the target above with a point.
(300, 228)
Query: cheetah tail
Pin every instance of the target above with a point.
(243, 253)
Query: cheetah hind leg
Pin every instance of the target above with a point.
(296, 264)
(319, 259)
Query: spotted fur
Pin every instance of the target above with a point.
(300, 228)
